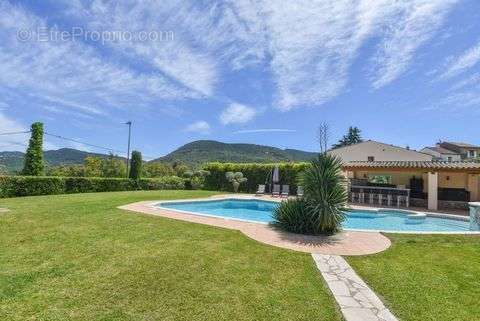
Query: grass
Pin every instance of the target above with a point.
(426, 277)
(77, 257)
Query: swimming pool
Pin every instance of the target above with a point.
(260, 211)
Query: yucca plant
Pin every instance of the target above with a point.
(325, 189)
(321, 210)
(293, 215)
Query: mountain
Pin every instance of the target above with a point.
(13, 161)
(193, 154)
(202, 151)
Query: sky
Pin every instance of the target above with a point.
(264, 72)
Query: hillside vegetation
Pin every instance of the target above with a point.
(204, 151)
(192, 154)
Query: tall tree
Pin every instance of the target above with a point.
(34, 157)
(112, 166)
(93, 166)
(352, 137)
(136, 165)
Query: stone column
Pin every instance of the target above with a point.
(474, 216)
(433, 191)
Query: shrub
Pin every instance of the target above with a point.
(325, 197)
(13, 186)
(236, 179)
(257, 173)
(294, 216)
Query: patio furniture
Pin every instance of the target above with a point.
(375, 195)
(300, 191)
(285, 191)
(276, 190)
(260, 190)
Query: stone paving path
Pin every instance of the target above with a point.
(357, 301)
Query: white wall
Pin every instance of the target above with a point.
(380, 152)
(443, 157)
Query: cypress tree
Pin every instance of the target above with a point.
(34, 157)
(136, 165)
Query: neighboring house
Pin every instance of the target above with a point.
(466, 151)
(372, 151)
(442, 154)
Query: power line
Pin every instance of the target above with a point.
(67, 139)
(14, 133)
(84, 143)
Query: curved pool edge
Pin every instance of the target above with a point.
(246, 197)
(345, 243)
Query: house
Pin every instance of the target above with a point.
(431, 184)
(442, 154)
(466, 151)
(376, 151)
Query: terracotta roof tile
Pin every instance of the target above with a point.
(414, 164)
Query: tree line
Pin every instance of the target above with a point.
(111, 166)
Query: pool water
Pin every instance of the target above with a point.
(261, 211)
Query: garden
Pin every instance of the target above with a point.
(77, 256)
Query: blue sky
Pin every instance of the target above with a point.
(265, 72)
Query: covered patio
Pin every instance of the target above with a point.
(428, 184)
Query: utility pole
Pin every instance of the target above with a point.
(129, 123)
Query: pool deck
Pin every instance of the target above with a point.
(345, 243)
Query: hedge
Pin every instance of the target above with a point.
(14, 186)
(256, 174)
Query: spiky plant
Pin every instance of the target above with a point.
(321, 211)
(325, 190)
(293, 215)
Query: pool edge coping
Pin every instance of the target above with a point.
(153, 205)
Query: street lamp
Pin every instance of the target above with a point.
(129, 123)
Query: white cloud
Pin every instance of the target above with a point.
(237, 114)
(4, 105)
(413, 25)
(177, 57)
(72, 74)
(312, 44)
(201, 127)
(464, 62)
(15, 142)
(265, 130)
(467, 82)
(306, 46)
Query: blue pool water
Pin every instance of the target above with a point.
(261, 211)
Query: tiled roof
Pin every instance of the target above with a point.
(442, 150)
(415, 165)
(464, 145)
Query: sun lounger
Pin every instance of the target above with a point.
(260, 190)
(300, 191)
(285, 191)
(276, 190)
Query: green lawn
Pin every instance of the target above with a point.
(434, 277)
(77, 257)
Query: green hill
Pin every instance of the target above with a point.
(203, 151)
(193, 154)
(13, 161)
